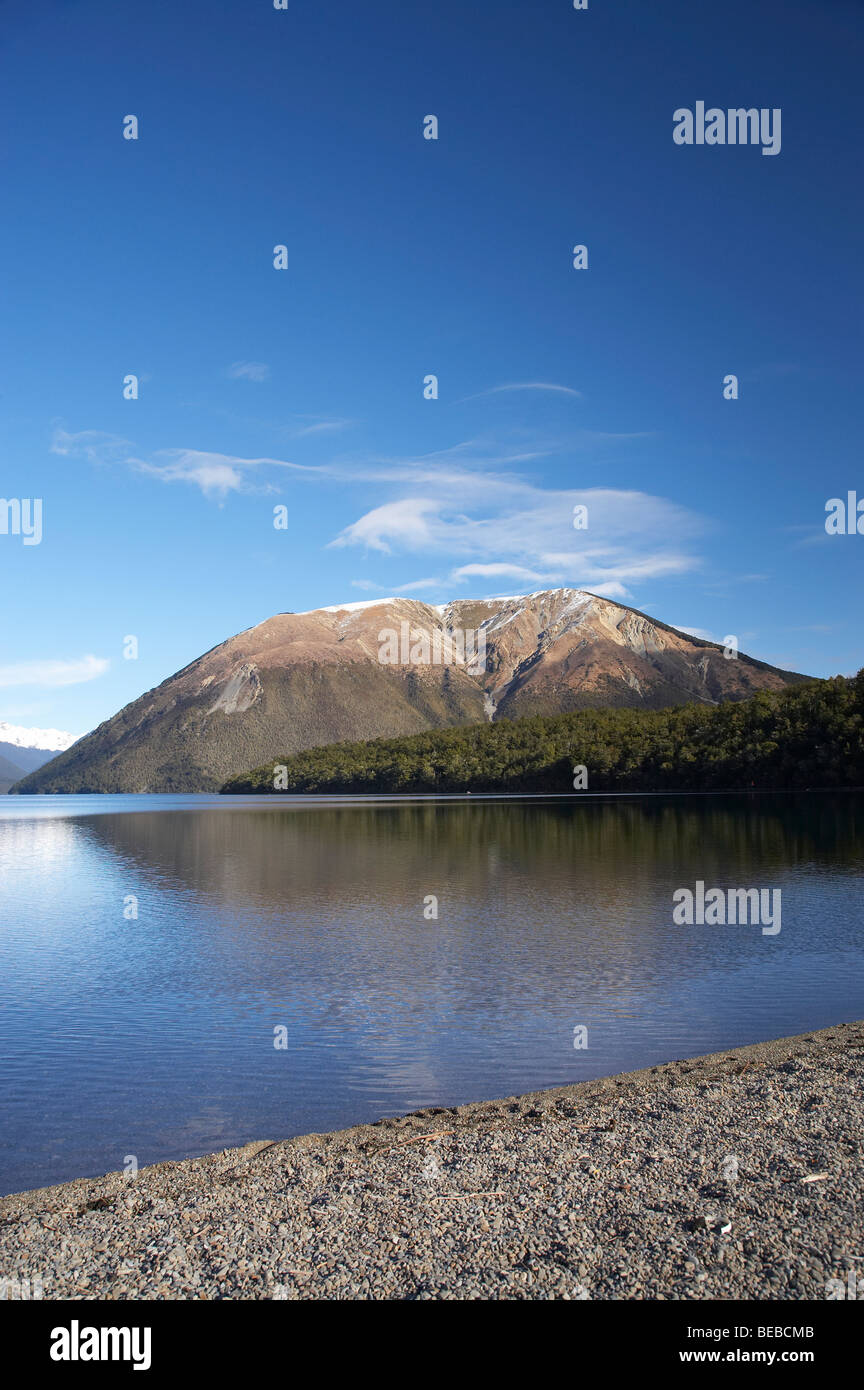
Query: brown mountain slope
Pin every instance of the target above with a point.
(300, 680)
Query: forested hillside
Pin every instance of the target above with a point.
(809, 735)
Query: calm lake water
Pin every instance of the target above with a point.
(155, 1036)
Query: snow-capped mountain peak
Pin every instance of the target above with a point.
(51, 740)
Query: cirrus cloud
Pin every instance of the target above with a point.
(249, 371)
(525, 386)
(53, 673)
(465, 504)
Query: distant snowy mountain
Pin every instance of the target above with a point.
(24, 750)
(52, 740)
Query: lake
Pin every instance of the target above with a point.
(307, 922)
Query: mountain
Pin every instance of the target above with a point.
(301, 680)
(24, 750)
(9, 774)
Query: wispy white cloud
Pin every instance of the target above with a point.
(614, 564)
(612, 589)
(498, 570)
(53, 673)
(217, 473)
(320, 427)
(214, 473)
(249, 371)
(510, 526)
(506, 527)
(432, 583)
(435, 582)
(406, 523)
(468, 503)
(525, 386)
(97, 446)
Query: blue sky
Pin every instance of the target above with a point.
(408, 257)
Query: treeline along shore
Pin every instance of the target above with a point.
(808, 736)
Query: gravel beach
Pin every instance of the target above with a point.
(736, 1175)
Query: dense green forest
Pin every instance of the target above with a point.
(811, 735)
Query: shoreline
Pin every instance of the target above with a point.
(688, 1179)
(829, 789)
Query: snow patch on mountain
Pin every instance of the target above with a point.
(347, 607)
